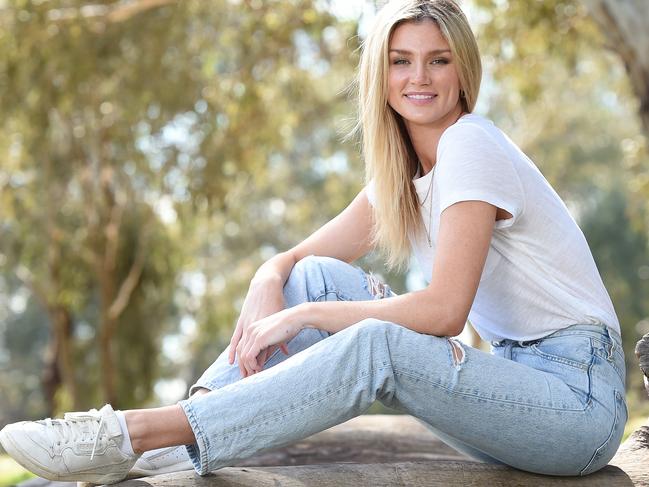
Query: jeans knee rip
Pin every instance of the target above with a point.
(376, 288)
(457, 353)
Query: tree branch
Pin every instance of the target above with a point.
(117, 12)
(129, 284)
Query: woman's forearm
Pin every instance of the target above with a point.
(420, 311)
(276, 269)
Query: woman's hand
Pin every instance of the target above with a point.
(265, 297)
(264, 335)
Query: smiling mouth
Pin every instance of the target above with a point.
(420, 97)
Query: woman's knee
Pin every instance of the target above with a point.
(372, 330)
(307, 280)
(313, 264)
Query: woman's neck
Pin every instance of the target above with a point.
(425, 139)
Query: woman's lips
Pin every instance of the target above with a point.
(420, 98)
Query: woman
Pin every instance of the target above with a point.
(498, 246)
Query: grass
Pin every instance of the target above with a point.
(11, 473)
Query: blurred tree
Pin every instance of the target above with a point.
(624, 25)
(620, 248)
(145, 138)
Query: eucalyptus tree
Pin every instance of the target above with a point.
(128, 128)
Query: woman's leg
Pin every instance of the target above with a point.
(560, 411)
(312, 279)
(524, 417)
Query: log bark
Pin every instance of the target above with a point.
(430, 473)
(642, 353)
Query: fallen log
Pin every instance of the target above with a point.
(425, 474)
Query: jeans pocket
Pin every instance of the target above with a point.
(607, 450)
(573, 350)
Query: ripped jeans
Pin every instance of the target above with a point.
(552, 406)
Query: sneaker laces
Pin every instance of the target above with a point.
(76, 426)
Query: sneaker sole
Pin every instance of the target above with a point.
(143, 472)
(15, 453)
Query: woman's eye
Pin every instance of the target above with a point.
(439, 61)
(400, 61)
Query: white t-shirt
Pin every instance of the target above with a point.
(539, 276)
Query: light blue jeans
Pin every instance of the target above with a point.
(552, 406)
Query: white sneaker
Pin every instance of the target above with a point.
(80, 447)
(162, 460)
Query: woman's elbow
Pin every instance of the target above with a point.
(455, 320)
(445, 327)
(449, 316)
(455, 328)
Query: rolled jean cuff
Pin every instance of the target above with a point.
(201, 385)
(198, 451)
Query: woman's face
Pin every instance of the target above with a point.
(423, 86)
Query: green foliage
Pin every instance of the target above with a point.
(171, 132)
(11, 473)
(523, 38)
(621, 254)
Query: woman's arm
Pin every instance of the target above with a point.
(346, 237)
(440, 309)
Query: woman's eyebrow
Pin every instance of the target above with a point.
(433, 52)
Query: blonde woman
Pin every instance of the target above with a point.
(318, 340)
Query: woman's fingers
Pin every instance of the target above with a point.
(241, 353)
(234, 342)
(244, 351)
(263, 357)
(251, 351)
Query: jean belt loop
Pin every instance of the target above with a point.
(611, 350)
(612, 343)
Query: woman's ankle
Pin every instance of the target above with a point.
(158, 427)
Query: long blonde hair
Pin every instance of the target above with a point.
(390, 159)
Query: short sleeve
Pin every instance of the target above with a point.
(471, 165)
(370, 192)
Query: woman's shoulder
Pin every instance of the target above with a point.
(471, 134)
(470, 125)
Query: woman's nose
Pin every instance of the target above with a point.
(420, 75)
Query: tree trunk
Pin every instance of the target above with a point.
(63, 327)
(51, 375)
(115, 290)
(107, 365)
(624, 23)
